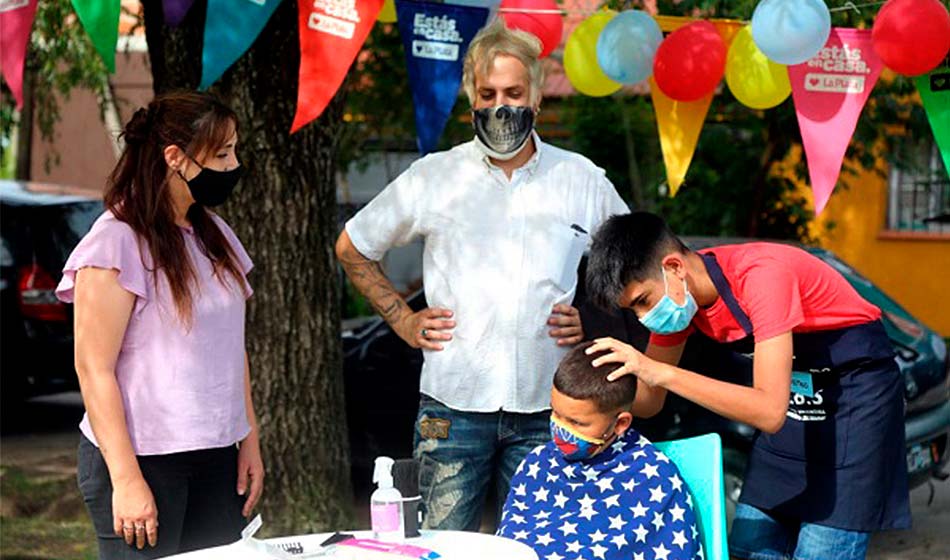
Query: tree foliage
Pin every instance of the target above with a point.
(60, 57)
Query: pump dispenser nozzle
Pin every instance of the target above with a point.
(383, 472)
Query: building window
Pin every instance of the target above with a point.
(920, 194)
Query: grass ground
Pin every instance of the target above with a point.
(42, 517)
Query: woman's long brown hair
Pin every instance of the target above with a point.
(138, 192)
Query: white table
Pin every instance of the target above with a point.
(452, 545)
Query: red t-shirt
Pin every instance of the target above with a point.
(781, 288)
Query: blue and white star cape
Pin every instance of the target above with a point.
(627, 502)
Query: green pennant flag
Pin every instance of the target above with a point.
(100, 18)
(934, 91)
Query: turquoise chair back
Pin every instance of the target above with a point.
(699, 460)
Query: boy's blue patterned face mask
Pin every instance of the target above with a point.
(574, 445)
(668, 317)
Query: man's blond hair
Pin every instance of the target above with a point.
(496, 39)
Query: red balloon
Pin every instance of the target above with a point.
(547, 27)
(912, 37)
(690, 62)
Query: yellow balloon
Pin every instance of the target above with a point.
(580, 57)
(756, 81)
(388, 13)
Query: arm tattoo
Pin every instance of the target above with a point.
(367, 276)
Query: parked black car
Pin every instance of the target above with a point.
(382, 384)
(40, 225)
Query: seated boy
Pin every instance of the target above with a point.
(598, 490)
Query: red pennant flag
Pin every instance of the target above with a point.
(16, 23)
(331, 34)
(830, 91)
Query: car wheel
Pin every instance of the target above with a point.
(733, 464)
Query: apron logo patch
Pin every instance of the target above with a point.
(807, 409)
(802, 384)
(805, 404)
(434, 428)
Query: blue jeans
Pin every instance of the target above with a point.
(757, 536)
(458, 453)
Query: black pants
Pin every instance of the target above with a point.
(195, 493)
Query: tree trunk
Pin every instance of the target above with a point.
(24, 147)
(284, 211)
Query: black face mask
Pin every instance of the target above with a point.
(502, 131)
(210, 187)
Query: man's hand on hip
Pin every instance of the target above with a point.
(425, 329)
(566, 321)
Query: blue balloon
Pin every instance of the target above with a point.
(627, 45)
(791, 31)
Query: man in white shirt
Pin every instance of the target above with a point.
(505, 220)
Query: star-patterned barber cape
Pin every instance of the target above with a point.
(628, 502)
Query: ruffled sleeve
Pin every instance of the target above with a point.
(111, 245)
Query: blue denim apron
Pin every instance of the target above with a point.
(839, 459)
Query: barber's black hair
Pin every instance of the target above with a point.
(627, 248)
(578, 379)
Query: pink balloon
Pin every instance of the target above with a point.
(546, 27)
(690, 62)
(912, 36)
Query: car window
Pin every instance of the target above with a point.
(67, 224)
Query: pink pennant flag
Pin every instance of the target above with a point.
(16, 22)
(830, 91)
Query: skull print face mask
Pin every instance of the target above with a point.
(502, 131)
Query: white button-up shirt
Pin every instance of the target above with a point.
(500, 254)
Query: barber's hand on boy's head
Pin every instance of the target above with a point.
(632, 361)
(569, 329)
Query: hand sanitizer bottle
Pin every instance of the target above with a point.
(386, 504)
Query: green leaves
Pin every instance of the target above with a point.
(60, 58)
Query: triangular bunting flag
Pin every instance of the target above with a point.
(233, 28)
(331, 34)
(830, 91)
(435, 38)
(934, 91)
(680, 122)
(16, 23)
(100, 18)
(176, 10)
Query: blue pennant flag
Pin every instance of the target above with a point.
(436, 38)
(231, 26)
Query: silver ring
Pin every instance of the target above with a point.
(140, 528)
(425, 333)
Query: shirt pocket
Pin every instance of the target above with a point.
(557, 255)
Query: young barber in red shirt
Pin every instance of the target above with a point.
(827, 467)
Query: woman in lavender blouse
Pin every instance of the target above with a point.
(169, 457)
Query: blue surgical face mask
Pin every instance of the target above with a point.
(668, 317)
